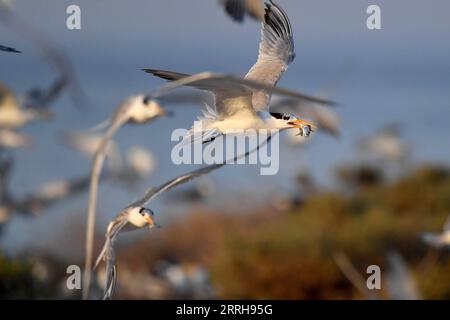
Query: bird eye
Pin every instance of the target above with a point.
(144, 211)
(146, 100)
(277, 115)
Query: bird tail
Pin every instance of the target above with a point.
(203, 136)
(110, 283)
(102, 255)
(203, 133)
(107, 254)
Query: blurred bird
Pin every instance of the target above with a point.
(140, 163)
(136, 216)
(88, 144)
(238, 9)
(12, 115)
(10, 139)
(141, 160)
(136, 109)
(131, 218)
(9, 49)
(187, 280)
(386, 145)
(400, 283)
(42, 97)
(243, 103)
(49, 194)
(439, 240)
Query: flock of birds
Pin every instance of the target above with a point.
(232, 102)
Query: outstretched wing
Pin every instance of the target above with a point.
(227, 94)
(220, 84)
(117, 121)
(276, 52)
(107, 254)
(153, 192)
(237, 9)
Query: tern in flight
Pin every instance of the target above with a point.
(136, 216)
(136, 109)
(242, 104)
(238, 9)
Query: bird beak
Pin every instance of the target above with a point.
(300, 124)
(149, 220)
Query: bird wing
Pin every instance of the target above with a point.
(255, 9)
(192, 97)
(118, 120)
(121, 220)
(107, 254)
(9, 49)
(276, 52)
(225, 92)
(227, 89)
(154, 192)
(235, 9)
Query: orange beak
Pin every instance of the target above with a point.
(149, 220)
(300, 123)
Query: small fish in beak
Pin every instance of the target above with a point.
(305, 127)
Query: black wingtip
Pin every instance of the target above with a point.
(236, 10)
(277, 19)
(9, 49)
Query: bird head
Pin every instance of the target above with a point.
(289, 121)
(143, 109)
(141, 217)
